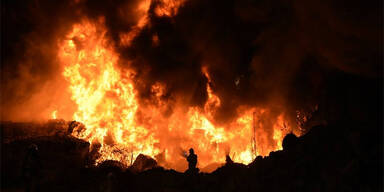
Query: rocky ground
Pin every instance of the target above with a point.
(327, 158)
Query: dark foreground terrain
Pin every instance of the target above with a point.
(328, 158)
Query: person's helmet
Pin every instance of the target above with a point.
(191, 151)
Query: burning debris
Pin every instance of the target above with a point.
(142, 163)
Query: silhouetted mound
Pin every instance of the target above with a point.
(111, 166)
(192, 171)
(290, 141)
(327, 158)
(142, 163)
(11, 131)
(211, 167)
(59, 157)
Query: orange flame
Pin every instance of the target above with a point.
(163, 8)
(142, 20)
(107, 106)
(168, 8)
(54, 114)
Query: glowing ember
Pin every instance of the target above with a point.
(108, 107)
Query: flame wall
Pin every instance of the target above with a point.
(108, 107)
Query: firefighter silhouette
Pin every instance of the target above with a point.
(192, 162)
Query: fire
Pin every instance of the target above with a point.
(163, 8)
(108, 106)
(54, 114)
(213, 101)
(168, 7)
(105, 97)
(142, 20)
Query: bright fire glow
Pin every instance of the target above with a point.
(54, 114)
(108, 106)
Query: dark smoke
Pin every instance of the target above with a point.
(283, 55)
(29, 67)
